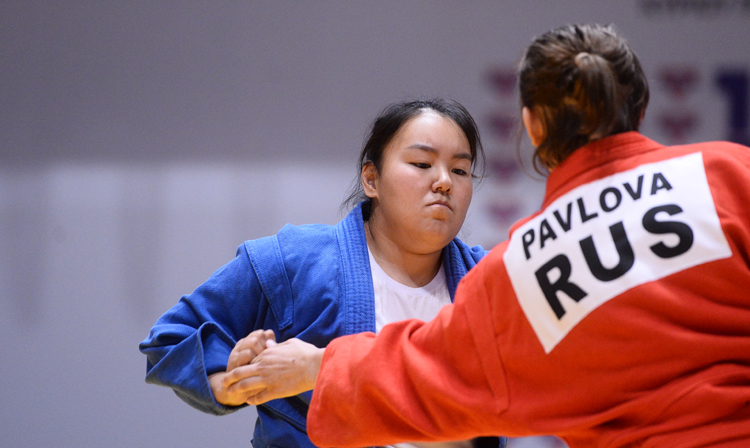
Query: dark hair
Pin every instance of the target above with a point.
(392, 118)
(587, 84)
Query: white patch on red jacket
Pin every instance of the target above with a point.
(608, 236)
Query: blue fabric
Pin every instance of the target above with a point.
(312, 282)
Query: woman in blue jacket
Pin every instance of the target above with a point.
(317, 282)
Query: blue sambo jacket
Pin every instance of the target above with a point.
(312, 282)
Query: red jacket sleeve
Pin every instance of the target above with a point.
(415, 381)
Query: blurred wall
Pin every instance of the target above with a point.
(142, 142)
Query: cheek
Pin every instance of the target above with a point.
(400, 190)
(408, 183)
(463, 194)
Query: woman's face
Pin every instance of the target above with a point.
(424, 187)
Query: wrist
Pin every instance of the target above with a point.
(315, 362)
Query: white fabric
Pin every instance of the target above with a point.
(395, 301)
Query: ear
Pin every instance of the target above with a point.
(369, 178)
(534, 125)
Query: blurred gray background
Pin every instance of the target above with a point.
(141, 142)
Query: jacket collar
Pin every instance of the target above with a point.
(593, 155)
(359, 298)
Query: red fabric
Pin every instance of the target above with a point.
(663, 364)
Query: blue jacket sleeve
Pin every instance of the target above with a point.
(194, 338)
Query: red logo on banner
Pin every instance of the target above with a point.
(678, 124)
(504, 214)
(503, 80)
(503, 170)
(678, 80)
(502, 124)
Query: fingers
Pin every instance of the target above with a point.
(246, 349)
(281, 370)
(249, 347)
(243, 381)
(269, 336)
(234, 394)
(261, 397)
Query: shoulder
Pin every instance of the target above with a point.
(718, 151)
(321, 234)
(730, 153)
(293, 243)
(297, 269)
(309, 249)
(306, 234)
(725, 163)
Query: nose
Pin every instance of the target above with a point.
(443, 181)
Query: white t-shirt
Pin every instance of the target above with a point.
(395, 301)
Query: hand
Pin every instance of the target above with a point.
(235, 396)
(230, 393)
(247, 348)
(283, 370)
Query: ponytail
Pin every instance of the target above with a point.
(595, 93)
(587, 83)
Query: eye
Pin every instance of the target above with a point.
(421, 165)
(460, 172)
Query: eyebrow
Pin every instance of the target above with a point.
(430, 149)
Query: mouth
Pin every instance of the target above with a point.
(441, 204)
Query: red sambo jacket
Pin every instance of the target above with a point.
(618, 315)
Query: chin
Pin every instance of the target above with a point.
(440, 230)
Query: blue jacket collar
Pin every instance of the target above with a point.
(358, 290)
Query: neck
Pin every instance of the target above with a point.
(403, 265)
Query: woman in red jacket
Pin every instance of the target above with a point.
(616, 316)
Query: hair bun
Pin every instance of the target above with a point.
(589, 84)
(584, 59)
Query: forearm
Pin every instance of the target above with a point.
(196, 336)
(185, 366)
